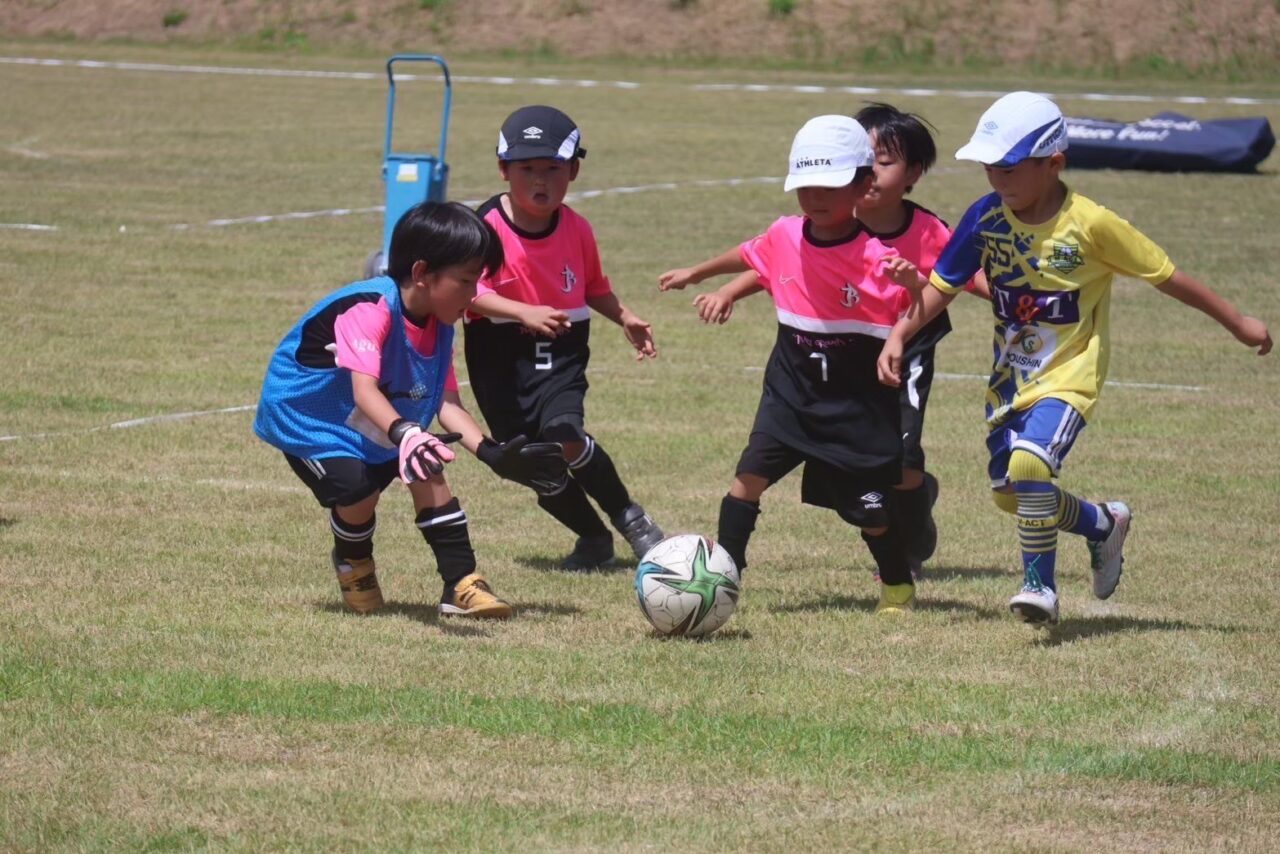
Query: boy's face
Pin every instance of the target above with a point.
(831, 207)
(450, 290)
(891, 178)
(538, 187)
(1020, 187)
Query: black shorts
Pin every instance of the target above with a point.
(343, 481)
(859, 497)
(913, 397)
(529, 384)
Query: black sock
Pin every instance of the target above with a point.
(571, 508)
(445, 530)
(914, 513)
(352, 541)
(890, 554)
(594, 470)
(737, 521)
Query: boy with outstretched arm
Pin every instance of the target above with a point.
(527, 332)
(351, 390)
(820, 406)
(1049, 255)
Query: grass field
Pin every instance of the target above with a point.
(176, 672)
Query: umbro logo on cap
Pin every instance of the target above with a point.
(539, 131)
(532, 132)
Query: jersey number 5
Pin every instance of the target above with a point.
(822, 360)
(542, 355)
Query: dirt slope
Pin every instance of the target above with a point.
(1098, 34)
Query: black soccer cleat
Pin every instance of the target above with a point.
(641, 532)
(589, 553)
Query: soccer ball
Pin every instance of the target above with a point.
(687, 585)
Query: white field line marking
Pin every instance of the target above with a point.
(571, 197)
(28, 226)
(152, 419)
(1121, 383)
(622, 84)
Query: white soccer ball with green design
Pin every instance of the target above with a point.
(687, 585)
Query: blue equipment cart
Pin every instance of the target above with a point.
(409, 178)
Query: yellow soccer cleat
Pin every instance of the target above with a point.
(473, 597)
(896, 598)
(358, 581)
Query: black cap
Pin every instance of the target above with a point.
(539, 131)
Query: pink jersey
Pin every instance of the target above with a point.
(920, 240)
(360, 331)
(837, 287)
(559, 267)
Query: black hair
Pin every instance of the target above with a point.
(443, 234)
(904, 135)
(861, 172)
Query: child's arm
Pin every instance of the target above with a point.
(422, 455)
(980, 287)
(639, 334)
(717, 306)
(929, 305)
(542, 319)
(1249, 331)
(723, 264)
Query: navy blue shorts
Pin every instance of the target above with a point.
(1048, 430)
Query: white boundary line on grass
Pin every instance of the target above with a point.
(28, 226)
(917, 92)
(184, 416)
(1121, 383)
(571, 197)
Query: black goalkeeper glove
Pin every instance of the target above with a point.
(539, 465)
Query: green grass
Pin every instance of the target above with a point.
(176, 673)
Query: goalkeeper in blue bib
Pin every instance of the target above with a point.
(351, 392)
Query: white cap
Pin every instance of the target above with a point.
(827, 152)
(1018, 126)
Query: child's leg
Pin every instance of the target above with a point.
(591, 468)
(867, 505)
(764, 462)
(443, 523)
(918, 490)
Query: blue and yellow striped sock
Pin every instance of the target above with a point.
(1085, 518)
(1038, 531)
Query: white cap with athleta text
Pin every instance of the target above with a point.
(827, 152)
(1018, 126)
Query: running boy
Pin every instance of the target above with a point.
(904, 151)
(527, 334)
(820, 405)
(352, 387)
(1050, 255)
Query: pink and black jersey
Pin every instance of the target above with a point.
(558, 267)
(835, 306)
(921, 240)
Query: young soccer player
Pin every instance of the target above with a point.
(1050, 255)
(527, 336)
(820, 404)
(351, 389)
(904, 151)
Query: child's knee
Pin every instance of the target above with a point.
(876, 532)
(1026, 466)
(1005, 500)
(748, 487)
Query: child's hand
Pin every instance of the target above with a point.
(889, 365)
(1253, 333)
(904, 274)
(545, 320)
(639, 335)
(714, 307)
(677, 279)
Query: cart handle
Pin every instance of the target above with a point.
(391, 97)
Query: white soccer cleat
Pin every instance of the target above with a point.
(1035, 605)
(1106, 557)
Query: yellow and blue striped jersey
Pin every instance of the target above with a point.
(1050, 294)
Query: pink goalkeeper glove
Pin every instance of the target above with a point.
(422, 454)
